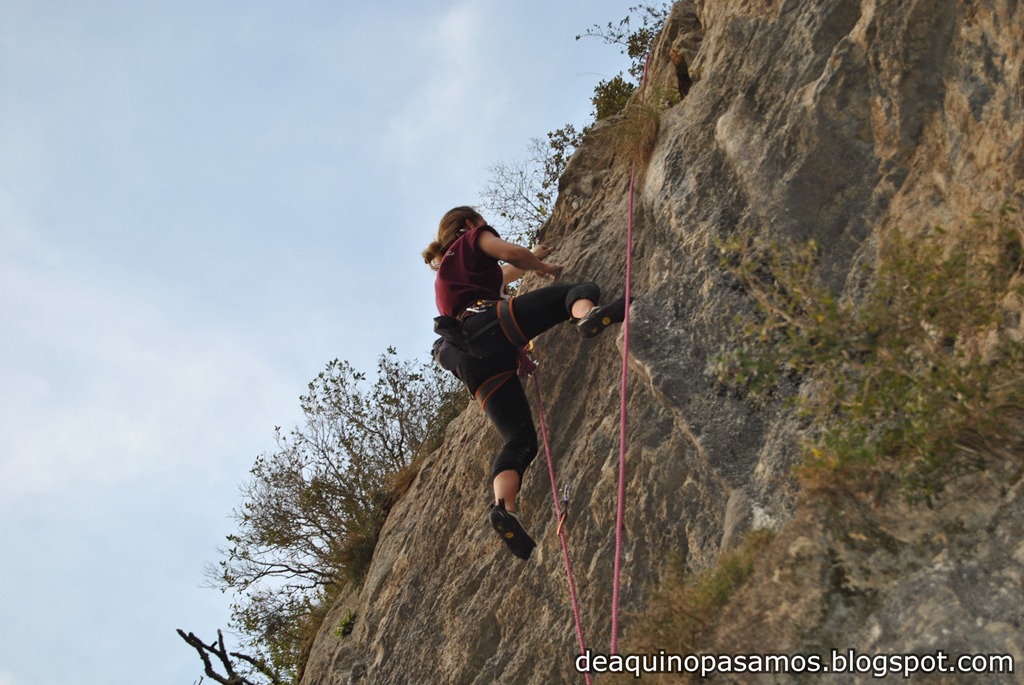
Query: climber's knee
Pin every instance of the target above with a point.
(582, 291)
(516, 455)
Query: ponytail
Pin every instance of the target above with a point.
(452, 225)
(432, 254)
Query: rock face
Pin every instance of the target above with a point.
(831, 119)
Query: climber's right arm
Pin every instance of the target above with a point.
(516, 255)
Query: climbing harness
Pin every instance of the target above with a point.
(509, 325)
(490, 386)
(454, 340)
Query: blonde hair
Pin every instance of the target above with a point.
(452, 225)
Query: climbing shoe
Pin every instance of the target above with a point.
(600, 318)
(511, 531)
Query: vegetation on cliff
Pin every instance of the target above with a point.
(909, 383)
(312, 510)
(521, 193)
(904, 386)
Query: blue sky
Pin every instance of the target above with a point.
(201, 203)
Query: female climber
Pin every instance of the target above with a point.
(470, 288)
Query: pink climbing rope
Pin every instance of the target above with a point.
(558, 517)
(530, 370)
(620, 513)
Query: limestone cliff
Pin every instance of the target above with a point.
(831, 119)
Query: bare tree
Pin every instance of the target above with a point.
(522, 193)
(254, 667)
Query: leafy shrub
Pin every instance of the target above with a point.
(346, 625)
(611, 95)
(280, 628)
(313, 509)
(913, 381)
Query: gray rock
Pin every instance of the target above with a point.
(830, 119)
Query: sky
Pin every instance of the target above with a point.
(201, 204)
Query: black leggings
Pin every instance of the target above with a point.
(509, 411)
(490, 370)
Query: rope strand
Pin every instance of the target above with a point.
(621, 497)
(620, 513)
(558, 517)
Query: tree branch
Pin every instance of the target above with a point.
(218, 650)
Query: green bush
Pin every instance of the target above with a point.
(346, 625)
(915, 380)
(611, 96)
(634, 34)
(312, 511)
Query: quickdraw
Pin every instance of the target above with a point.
(564, 514)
